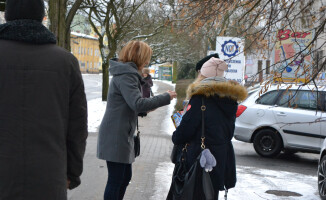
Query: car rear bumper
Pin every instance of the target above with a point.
(243, 132)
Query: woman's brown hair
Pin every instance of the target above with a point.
(137, 52)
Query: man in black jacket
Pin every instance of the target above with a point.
(43, 109)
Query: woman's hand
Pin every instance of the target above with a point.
(172, 94)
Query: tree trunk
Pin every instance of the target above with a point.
(57, 15)
(212, 43)
(60, 21)
(106, 80)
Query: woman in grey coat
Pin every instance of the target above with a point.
(125, 101)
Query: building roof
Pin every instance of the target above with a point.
(83, 35)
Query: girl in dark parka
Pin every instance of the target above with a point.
(220, 97)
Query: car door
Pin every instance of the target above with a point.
(298, 117)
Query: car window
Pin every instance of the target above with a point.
(268, 98)
(298, 99)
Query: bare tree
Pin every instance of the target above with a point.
(115, 23)
(264, 24)
(61, 14)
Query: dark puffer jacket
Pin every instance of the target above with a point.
(221, 105)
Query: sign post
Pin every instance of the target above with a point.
(230, 49)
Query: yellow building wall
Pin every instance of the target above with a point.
(87, 52)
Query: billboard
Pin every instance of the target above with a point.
(231, 49)
(292, 56)
(165, 72)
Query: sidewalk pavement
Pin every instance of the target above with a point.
(156, 147)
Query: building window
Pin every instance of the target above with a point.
(91, 52)
(82, 65)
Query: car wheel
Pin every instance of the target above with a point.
(322, 178)
(268, 143)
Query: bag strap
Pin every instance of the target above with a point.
(138, 132)
(203, 108)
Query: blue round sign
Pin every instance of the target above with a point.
(230, 48)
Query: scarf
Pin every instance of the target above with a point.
(26, 30)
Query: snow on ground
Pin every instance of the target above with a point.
(163, 177)
(252, 184)
(167, 123)
(96, 109)
(154, 88)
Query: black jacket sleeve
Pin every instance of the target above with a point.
(190, 123)
(77, 127)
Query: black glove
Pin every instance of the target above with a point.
(142, 114)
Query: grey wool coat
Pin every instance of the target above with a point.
(125, 101)
(43, 115)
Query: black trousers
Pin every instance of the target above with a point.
(118, 179)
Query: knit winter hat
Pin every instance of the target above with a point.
(24, 9)
(214, 67)
(202, 61)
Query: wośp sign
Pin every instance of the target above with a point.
(292, 56)
(230, 49)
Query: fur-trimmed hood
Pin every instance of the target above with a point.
(222, 89)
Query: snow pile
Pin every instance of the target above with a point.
(96, 110)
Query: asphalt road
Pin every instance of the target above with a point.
(93, 86)
(302, 163)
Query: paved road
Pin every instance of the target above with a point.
(93, 86)
(152, 170)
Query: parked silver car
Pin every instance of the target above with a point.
(284, 117)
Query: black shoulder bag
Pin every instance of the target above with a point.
(195, 183)
(137, 141)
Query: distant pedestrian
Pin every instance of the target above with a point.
(220, 98)
(148, 83)
(125, 101)
(43, 109)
